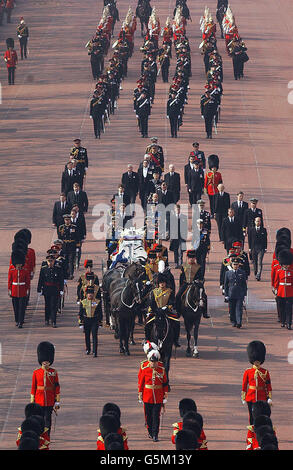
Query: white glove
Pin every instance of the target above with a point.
(91, 117)
(202, 116)
(140, 401)
(164, 308)
(39, 295)
(81, 327)
(270, 401)
(165, 401)
(61, 292)
(65, 282)
(78, 303)
(147, 283)
(227, 298)
(243, 402)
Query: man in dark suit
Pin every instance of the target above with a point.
(79, 221)
(240, 207)
(78, 197)
(187, 170)
(61, 207)
(231, 230)
(195, 183)
(178, 235)
(221, 206)
(130, 183)
(235, 287)
(257, 242)
(145, 185)
(69, 177)
(122, 196)
(165, 196)
(173, 182)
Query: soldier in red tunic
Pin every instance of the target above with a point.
(212, 179)
(34, 410)
(186, 405)
(112, 409)
(256, 384)
(45, 383)
(283, 287)
(152, 391)
(18, 283)
(30, 259)
(11, 60)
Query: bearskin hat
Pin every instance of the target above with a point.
(114, 441)
(31, 424)
(213, 161)
(18, 257)
(24, 234)
(185, 405)
(108, 424)
(261, 407)
(161, 278)
(285, 257)
(283, 240)
(262, 420)
(283, 232)
(185, 440)
(111, 408)
(46, 352)
(28, 443)
(20, 245)
(10, 42)
(256, 351)
(33, 409)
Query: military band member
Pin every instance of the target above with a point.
(97, 111)
(256, 383)
(164, 60)
(173, 112)
(45, 390)
(51, 285)
(143, 111)
(212, 179)
(86, 279)
(68, 234)
(23, 35)
(91, 316)
(81, 156)
(209, 107)
(152, 392)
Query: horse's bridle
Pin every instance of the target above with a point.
(200, 297)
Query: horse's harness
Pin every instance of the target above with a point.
(193, 284)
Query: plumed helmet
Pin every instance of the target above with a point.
(153, 355)
(148, 346)
(46, 352)
(256, 351)
(213, 161)
(285, 257)
(18, 257)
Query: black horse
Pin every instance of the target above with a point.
(185, 9)
(162, 334)
(192, 306)
(135, 271)
(113, 11)
(110, 276)
(123, 296)
(220, 13)
(143, 12)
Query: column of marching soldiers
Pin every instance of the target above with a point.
(235, 222)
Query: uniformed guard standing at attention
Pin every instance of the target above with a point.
(18, 285)
(80, 155)
(45, 389)
(51, 284)
(91, 316)
(256, 384)
(152, 391)
(11, 60)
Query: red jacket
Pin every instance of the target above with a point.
(283, 282)
(30, 261)
(10, 58)
(45, 386)
(256, 384)
(18, 281)
(152, 383)
(101, 444)
(211, 182)
(9, 3)
(202, 438)
(44, 439)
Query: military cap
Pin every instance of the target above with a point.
(200, 201)
(253, 199)
(88, 263)
(77, 140)
(50, 257)
(66, 216)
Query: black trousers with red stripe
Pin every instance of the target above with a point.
(152, 415)
(19, 306)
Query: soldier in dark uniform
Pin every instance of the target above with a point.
(204, 215)
(203, 248)
(23, 35)
(91, 316)
(143, 111)
(96, 112)
(81, 157)
(164, 60)
(51, 284)
(198, 155)
(68, 234)
(235, 287)
(173, 112)
(250, 215)
(209, 108)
